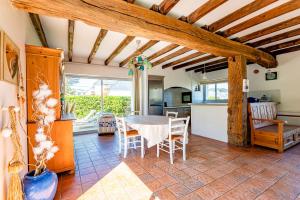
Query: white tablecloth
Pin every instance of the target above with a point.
(153, 128)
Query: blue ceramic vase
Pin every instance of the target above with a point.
(41, 187)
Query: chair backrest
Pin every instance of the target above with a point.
(262, 110)
(135, 112)
(179, 126)
(172, 114)
(121, 125)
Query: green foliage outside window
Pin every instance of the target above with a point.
(119, 105)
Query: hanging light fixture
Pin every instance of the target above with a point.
(139, 62)
(204, 76)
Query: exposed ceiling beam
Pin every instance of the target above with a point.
(163, 51)
(240, 13)
(192, 18)
(244, 11)
(129, 1)
(181, 60)
(270, 14)
(271, 29)
(172, 55)
(225, 66)
(276, 38)
(193, 62)
(139, 51)
(99, 39)
(118, 50)
(215, 66)
(35, 19)
(71, 27)
(163, 8)
(207, 64)
(287, 50)
(283, 45)
(131, 19)
(203, 10)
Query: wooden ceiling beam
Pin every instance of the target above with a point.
(71, 27)
(240, 13)
(286, 50)
(131, 19)
(181, 60)
(207, 64)
(207, 7)
(271, 29)
(270, 14)
(163, 8)
(129, 1)
(35, 19)
(193, 62)
(139, 51)
(118, 50)
(97, 43)
(170, 56)
(276, 38)
(215, 66)
(283, 45)
(163, 51)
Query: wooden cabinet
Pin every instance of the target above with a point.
(42, 64)
(62, 135)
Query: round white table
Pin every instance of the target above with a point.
(152, 127)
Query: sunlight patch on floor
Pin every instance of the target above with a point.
(120, 183)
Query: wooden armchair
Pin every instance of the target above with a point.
(268, 131)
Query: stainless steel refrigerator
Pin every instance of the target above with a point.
(155, 95)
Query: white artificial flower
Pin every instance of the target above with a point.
(45, 93)
(37, 150)
(43, 86)
(40, 130)
(43, 109)
(51, 112)
(49, 119)
(17, 109)
(6, 132)
(35, 93)
(54, 149)
(40, 137)
(51, 102)
(46, 144)
(49, 155)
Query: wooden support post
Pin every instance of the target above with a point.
(237, 101)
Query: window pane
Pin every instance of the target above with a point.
(85, 94)
(117, 96)
(210, 92)
(222, 91)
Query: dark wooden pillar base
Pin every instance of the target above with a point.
(237, 101)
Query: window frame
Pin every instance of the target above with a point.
(205, 92)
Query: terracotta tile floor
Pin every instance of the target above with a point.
(213, 170)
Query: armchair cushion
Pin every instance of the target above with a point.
(288, 130)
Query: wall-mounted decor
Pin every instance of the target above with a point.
(271, 76)
(256, 71)
(9, 59)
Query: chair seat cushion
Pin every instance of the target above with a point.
(132, 133)
(176, 137)
(288, 130)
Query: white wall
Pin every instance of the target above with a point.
(172, 78)
(16, 24)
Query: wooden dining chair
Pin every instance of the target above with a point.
(177, 139)
(172, 114)
(128, 137)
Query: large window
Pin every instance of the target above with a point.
(215, 92)
(94, 96)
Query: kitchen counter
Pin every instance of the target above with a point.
(183, 106)
(183, 110)
(210, 120)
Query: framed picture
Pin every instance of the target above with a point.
(271, 76)
(9, 59)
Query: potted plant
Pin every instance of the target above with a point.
(42, 183)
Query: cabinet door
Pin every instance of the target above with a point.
(62, 135)
(46, 69)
